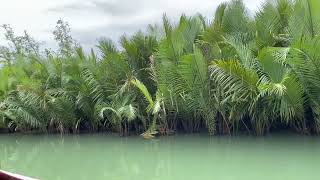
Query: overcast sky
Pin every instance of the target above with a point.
(92, 19)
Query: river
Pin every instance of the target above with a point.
(180, 157)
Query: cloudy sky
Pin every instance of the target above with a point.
(92, 19)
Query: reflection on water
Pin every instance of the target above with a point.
(179, 157)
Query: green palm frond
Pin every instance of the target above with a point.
(145, 92)
(236, 81)
(97, 89)
(272, 23)
(235, 18)
(244, 51)
(280, 84)
(128, 111)
(106, 46)
(304, 20)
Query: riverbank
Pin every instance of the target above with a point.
(274, 132)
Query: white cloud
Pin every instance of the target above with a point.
(92, 19)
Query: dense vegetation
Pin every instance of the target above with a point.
(241, 72)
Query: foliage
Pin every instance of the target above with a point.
(238, 73)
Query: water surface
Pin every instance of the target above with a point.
(182, 157)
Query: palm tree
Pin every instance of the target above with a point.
(237, 72)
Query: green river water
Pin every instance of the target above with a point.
(181, 157)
